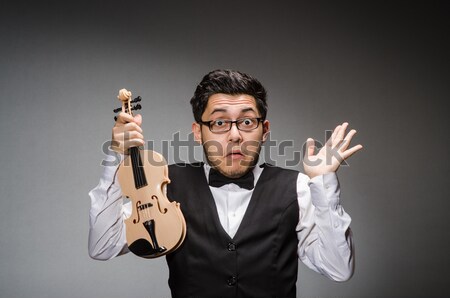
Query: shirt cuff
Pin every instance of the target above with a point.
(325, 190)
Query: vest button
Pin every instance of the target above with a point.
(231, 281)
(231, 246)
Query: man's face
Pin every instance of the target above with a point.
(235, 152)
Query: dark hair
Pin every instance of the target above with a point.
(228, 82)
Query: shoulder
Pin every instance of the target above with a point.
(300, 178)
(275, 169)
(279, 175)
(185, 168)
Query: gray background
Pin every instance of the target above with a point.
(381, 65)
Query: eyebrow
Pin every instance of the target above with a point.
(225, 110)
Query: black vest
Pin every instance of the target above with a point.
(261, 259)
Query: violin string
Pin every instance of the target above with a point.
(133, 163)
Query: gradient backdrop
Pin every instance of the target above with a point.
(381, 65)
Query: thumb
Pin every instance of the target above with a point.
(309, 147)
(138, 119)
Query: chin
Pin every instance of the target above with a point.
(235, 170)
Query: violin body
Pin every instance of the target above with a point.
(151, 209)
(156, 226)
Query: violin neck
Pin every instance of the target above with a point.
(138, 168)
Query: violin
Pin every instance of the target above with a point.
(156, 226)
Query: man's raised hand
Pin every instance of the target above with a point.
(330, 156)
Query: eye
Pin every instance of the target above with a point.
(219, 122)
(247, 122)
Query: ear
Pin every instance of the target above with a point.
(266, 130)
(197, 131)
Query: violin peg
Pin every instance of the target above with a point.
(137, 99)
(117, 110)
(115, 118)
(136, 107)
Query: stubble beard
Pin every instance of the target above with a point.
(245, 165)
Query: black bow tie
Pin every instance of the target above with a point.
(217, 180)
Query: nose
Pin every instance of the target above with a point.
(234, 135)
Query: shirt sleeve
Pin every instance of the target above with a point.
(107, 238)
(325, 239)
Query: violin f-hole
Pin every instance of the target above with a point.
(154, 197)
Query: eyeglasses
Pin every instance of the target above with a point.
(222, 125)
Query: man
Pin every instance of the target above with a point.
(246, 228)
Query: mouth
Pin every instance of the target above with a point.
(235, 155)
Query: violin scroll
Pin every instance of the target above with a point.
(124, 95)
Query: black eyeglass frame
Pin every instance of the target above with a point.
(208, 123)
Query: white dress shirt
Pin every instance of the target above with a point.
(325, 240)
